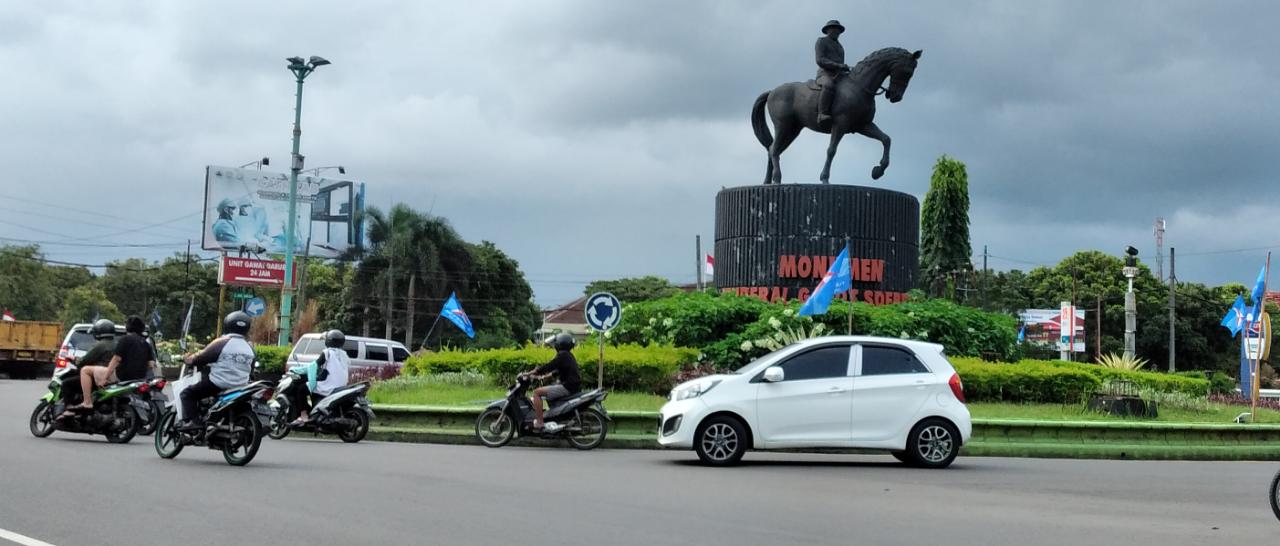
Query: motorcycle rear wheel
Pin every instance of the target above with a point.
(357, 433)
(153, 420)
(168, 441)
(239, 451)
(42, 424)
(1275, 495)
(592, 428)
(280, 422)
(494, 428)
(130, 429)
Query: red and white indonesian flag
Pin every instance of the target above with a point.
(7, 316)
(711, 265)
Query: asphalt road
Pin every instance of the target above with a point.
(78, 490)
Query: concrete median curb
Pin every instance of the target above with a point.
(991, 437)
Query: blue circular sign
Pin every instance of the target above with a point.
(603, 311)
(255, 307)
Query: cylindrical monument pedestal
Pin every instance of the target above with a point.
(776, 242)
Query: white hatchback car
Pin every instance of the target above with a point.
(847, 392)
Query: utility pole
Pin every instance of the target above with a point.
(698, 259)
(1071, 349)
(1173, 291)
(985, 272)
(1097, 323)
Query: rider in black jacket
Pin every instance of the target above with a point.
(565, 367)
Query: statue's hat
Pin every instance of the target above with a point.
(832, 23)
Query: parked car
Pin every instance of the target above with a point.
(852, 392)
(364, 352)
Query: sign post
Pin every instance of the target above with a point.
(603, 312)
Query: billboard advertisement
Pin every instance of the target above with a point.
(247, 210)
(1045, 327)
(251, 272)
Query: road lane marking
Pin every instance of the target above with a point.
(21, 539)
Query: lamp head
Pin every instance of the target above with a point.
(342, 170)
(318, 61)
(266, 161)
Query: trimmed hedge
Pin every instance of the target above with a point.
(1027, 381)
(272, 357)
(626, 367)
(1057, 381)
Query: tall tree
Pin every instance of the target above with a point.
(25, 287)
(635, 289)
(944, 224)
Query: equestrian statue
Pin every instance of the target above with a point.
(839, 101)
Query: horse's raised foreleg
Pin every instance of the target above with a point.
(836, 135)
(871, 131)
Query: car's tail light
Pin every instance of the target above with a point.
(957, 388)
(143, 388)
(61, 362)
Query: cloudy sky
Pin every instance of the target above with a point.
(588, 139)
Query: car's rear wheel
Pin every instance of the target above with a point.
(720, 441)
(933, 443)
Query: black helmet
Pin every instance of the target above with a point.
(335, 339)
(103, 328)
(563, 342)
(237, 323)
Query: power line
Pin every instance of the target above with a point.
(95, 245)
(64, 208)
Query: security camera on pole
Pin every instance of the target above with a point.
(301, 69)
(1130, 304)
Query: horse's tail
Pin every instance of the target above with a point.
(757, 120)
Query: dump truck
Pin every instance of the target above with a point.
(28, 348)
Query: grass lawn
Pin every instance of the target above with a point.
(429, 392)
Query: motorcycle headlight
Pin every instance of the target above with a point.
(693, 390)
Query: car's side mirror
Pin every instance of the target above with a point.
(774, 375)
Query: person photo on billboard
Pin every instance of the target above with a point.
(224, 228)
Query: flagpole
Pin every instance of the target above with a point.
(1256, 358)
(849, 301)
(427, 338)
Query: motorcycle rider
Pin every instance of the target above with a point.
(227, 362)
(565, 367)
(327, 373)
(130, 360)
(104, 331)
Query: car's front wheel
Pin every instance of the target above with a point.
(934, 443)
(720, 441)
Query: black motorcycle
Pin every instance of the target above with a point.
(344, 412)
(115, 413)
(234, 422)
(156, 403)
(582, 418)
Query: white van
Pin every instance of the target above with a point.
(364, 352)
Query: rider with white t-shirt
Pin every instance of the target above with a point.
(326, 374)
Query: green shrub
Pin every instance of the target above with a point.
(271, 358)
(1025, 382)
(1044, 380)
(1221, 383)
(627, 367)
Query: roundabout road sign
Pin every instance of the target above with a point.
(255, 307)
(603, 311)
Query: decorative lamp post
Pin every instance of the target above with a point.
(301, 69)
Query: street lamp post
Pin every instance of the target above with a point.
(316, 171)
(301, 69)
(1130, 304)
(259, 163)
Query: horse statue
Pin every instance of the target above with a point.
(794, 106)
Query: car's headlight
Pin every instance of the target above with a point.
(693, 390)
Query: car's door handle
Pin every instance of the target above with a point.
(836, 390)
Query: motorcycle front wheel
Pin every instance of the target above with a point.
(168, 441)
(280, 422)
(42, 424)
(589, 431)
(243, 447)
(1275, 495)
(494, 428)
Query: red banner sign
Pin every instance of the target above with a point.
(251, 272)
